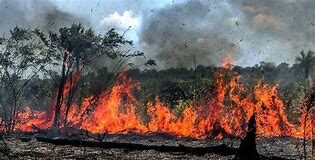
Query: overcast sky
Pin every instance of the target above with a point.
(172, 32)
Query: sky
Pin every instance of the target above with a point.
(172, 32)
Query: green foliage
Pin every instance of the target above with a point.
(181, 105)
(38, 93)
(86, 45)
(94, 82)
(305, 61)
(23, 55)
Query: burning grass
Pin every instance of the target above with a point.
(226, 114)
(113, 116)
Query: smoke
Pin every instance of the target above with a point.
(273, 31)
(36, 13)
(186, 31)
(282, 28)
(181, 34)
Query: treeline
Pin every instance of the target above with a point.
(179, 86)
(36, 68)
(34, 62)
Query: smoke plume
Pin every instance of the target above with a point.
(36, 13)
(273, 31)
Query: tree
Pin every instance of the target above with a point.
(305, 61)
(76, 48)
(22, 56)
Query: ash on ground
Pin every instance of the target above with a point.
(289, 148)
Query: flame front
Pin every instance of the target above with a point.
(115, 111)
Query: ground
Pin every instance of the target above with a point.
(281, 147)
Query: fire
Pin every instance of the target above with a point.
(227, 113)
(28, 119)
(228, 61)
(115, 111)
(163, 120)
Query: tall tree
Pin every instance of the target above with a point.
(23, 55)
(76, 48)
(305, 61)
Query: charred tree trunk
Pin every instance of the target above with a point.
(68, 105)
(73, 88)
(247, 149)
(5, 116)
(13, 115)
(60, 91)
(220, 149)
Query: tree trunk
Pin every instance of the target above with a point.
(247, 149)
(6, 116)
(72, 90)
(60, 91)
(13, 116)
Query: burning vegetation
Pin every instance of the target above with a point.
(203, 103)
(227, 114)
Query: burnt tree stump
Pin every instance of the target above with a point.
(247, 149)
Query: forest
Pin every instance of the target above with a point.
(57, 72)
(158, 79)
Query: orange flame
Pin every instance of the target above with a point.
(115, 111)
(228, 61)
